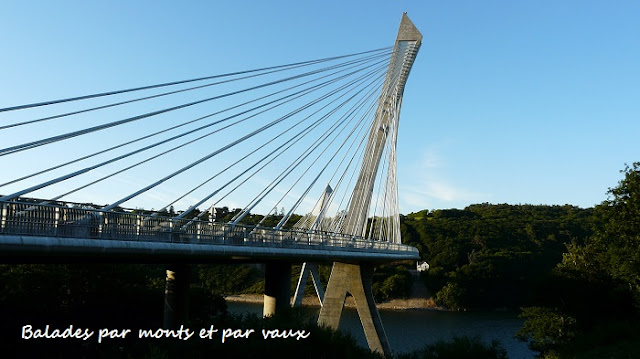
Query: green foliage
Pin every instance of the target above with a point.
(205, 305)
(77, 288)
(618, 339)
(228, 279)
(610, 339)
(546, 329)
(452, 296)
(596, 285)
(435, 279)
(493, 256)
(391, 281)
(459, 348)
(613, 253)
(395, 286)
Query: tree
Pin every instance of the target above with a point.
(545, 328)
(597, 285)
(614, 250)
(459, 348)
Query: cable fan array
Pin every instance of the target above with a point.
(270, 143)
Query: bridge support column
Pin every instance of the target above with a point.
(356, 280)
(308, 268)
(277, 287)
(176, 296)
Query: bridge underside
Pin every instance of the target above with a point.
(37, 249)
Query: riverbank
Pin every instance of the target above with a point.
(394, 304)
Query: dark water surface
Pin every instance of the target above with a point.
(408, 330)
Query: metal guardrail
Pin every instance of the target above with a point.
(73, 221)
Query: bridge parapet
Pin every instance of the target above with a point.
(68, 220)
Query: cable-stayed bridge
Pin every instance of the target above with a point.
(316, 137)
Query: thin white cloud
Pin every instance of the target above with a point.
(425, 184)
(430, 158)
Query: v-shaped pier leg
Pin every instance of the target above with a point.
(308, 268)
(356, 280)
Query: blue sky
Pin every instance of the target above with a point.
(508, 102)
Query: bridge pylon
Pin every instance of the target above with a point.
(356, 278)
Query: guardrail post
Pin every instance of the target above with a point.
(56, 218)
(224, 234)
(3, 220)
(171, 230)
(103, 222)
(138, 224)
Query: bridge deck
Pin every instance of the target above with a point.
(37, 231)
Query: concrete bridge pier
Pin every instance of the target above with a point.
(355, 279)
(277, 287)
(308, 268)
(176, 295)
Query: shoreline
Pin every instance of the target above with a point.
(309, 301)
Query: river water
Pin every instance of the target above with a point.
(408, 330)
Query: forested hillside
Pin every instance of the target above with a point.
(493, 256)
(574, 273)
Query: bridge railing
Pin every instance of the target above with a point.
(82, 221)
